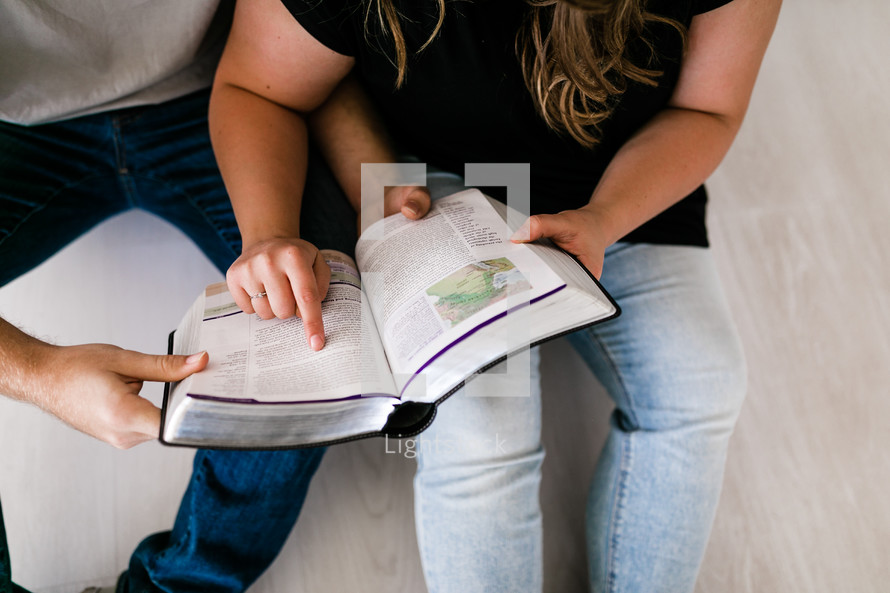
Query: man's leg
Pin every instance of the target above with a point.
(56, 183)
(235, 516)
(239, 506)
(6, 584)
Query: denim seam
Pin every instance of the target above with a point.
(616, 519)
(174, 546)
(192, 202)
(610, 359)
(613, 556)
(120, 161)
(44, 205)
(152, 564)
(421, 540)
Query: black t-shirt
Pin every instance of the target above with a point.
(464, 99)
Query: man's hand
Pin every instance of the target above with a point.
(580, 232)
(292, 278)
(95, 389)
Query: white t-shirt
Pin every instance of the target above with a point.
(66, 58)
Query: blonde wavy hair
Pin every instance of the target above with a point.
(573, 55)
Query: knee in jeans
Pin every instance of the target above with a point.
(706, 397)
(719, 398)
(254, 473)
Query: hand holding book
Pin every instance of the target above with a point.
(578, 232)
(412, 201)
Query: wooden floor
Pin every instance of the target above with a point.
(799, 220)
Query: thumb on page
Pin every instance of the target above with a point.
(416, 203)
(558, 227)
(413, 201)
(153, 367)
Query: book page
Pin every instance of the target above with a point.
(434, 281)
(269, 361)
(186, 338)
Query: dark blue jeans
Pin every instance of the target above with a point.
(59, 180)
(6, 584)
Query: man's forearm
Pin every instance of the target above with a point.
(21, 360)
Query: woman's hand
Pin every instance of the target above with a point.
(581, 232)
(413, 201)
(282, 277)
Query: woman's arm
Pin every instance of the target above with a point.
(274, 81)
(681, 146)
(272, 73)
(349, 132)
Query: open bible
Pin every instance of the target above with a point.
(429, 304)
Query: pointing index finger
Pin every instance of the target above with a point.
(306, 287)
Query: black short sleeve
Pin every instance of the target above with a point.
(329, 21)
(465, 100)
(700, 6)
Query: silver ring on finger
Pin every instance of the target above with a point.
(258, 295)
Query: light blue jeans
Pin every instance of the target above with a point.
(673, 364)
